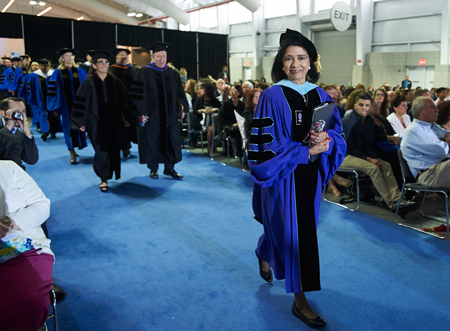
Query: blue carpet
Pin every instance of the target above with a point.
(179, 255)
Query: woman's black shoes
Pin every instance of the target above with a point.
(315, 323)
(266, 275)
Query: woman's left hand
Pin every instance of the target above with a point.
(317, 137)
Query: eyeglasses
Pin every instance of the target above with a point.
(379, 94)
(102, 62)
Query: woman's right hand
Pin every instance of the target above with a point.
(82, 129)
(321, 147)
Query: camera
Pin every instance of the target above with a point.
(17, 116)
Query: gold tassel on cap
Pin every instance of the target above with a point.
(318, 65)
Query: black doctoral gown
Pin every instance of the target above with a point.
(101, 108)
(126, 75)
(159, 95)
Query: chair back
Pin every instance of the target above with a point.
(406, 172)
(215, 124)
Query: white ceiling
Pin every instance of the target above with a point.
(101, 10)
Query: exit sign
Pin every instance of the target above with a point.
(422, 62)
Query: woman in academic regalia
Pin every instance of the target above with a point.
(100, 108)
(62, 88)
(288, 183)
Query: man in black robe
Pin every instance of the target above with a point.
(124, 71)
(158, 94)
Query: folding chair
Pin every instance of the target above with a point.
(215, 128)
(52, 314)
(353, 173)
(410, 184)
(191, 130)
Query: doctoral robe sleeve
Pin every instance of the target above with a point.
(139, 92)
(82, 105)
(273, 156)
(18, 74)
(4, 79)
(332, 159)
(55, 92)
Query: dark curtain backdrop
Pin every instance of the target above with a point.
(183, 51)
(93, 35)
(136, 36)
(212, 53)
(45, 35)
(10, 26)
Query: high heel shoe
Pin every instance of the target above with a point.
(266, 275)
(314, 323)
(103, 187)
(73, 157)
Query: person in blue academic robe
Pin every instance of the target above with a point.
(62, 88)
(8, 75)
(290, 164)
(37, 99)
(19, 73)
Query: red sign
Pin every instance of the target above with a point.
(359, 61)
(422, 62)
(249, 64)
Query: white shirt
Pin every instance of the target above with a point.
(421, 147)
(24, 202)
(397, 125)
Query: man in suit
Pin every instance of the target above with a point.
(224, 73)
(406, 83)
(14, 124)
(9, 148)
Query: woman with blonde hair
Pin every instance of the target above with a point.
(183, 74)
(62, 88)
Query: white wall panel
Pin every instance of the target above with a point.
(281, 23)
(387, 9)
(413, 29)
(242, 28)
(241, 44)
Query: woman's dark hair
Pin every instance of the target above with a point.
(351, 100)
(385, 103)
(249, 102)
(348, 90)
(398, 100)
(92, 73)
(277, 68)
(238, 88)
(209, 89)
(444, 109)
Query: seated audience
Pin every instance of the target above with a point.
(348, 90)
(441, 94)
(335, 95)
(10, 108)
(219, 85)
(381, 98)
(361, 87)
(361, 156)
(227, 119)
(247, 86)
(205, 105)
(225, 95)
(26, 261)
(399, 119)
(427, 155)
(442, 125)
(391, 96)
(433, 94)
(250, 108)
(385, 141)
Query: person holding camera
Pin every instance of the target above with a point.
(14, 121)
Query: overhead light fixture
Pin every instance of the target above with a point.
(33, 2)
(139, 15)
(80, 18)
(44, 11)
(7, 6)
(42, 3)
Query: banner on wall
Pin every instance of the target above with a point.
(11, 47)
